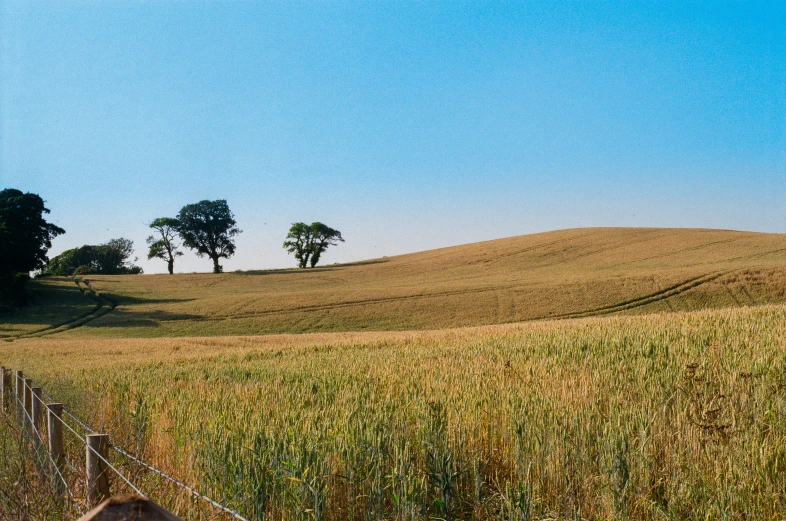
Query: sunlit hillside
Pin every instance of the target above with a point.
(562, 274)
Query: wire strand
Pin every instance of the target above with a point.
(49, 454)
(123, 452)
(68, 413)
(179, 483)
(116, 471)
(120, 474)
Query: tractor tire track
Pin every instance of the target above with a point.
(663, 294)
(105, 305)
(643, 300)
(102, 307)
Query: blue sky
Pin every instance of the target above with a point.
(406, 125)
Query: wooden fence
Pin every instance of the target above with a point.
(43, 425)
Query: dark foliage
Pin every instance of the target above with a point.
(25, 238)
(208, 228)
(112, 258)
(165, 246)
(308, 242)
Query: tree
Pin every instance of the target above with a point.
(114, 257)
(299, 242)
(322, 236)
(111, 258)
(164, 248)
(308, 242)
(25, 237)
(208, 228)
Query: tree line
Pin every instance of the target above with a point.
(207, 227)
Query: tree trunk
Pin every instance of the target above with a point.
(216, 266)
(171, 266)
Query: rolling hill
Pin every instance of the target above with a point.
(561, 274)
(541, 406)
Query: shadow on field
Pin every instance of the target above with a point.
(125, 300)
(48, 303)
(123, 313)
(42, 293)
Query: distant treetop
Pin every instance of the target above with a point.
(111, 258)
(165, 246)
(208, 228)
(307, 242)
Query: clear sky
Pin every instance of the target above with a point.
(406, 125)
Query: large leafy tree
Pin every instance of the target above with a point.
(25, 236)
(111, 258)
(298, 242)
(208, 228)
(308, 241)
(322, 236)
(165, 246)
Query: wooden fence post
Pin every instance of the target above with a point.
(97, 471)
(6, 387)
(20, 385)
(55, 435)
(28, 393)
(36, 416)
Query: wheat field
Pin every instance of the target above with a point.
(569, 273)
(671, 416)
(656, 390)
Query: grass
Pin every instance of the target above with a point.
(672, 416)
(558, 274)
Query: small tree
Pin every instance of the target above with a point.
(322, 237)
(165, 247)
(114, 257)
(299, 243)
(208, 228)
(308, 242)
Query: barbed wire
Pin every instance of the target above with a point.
(41, 440)
(68, 413)
(120, 474)
(178, 483)
(130, 456)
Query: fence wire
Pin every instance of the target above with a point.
(178, 483)
(34, 427)
(83, 440)
(125, 453)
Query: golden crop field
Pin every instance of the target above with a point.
(672, 416)
(569, 273)
(653, 385)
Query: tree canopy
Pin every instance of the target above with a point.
(165, 246)
(308, 241)
(25, 236)
(25, 239)
(298, 242)
(208, 227)
(111, 258)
